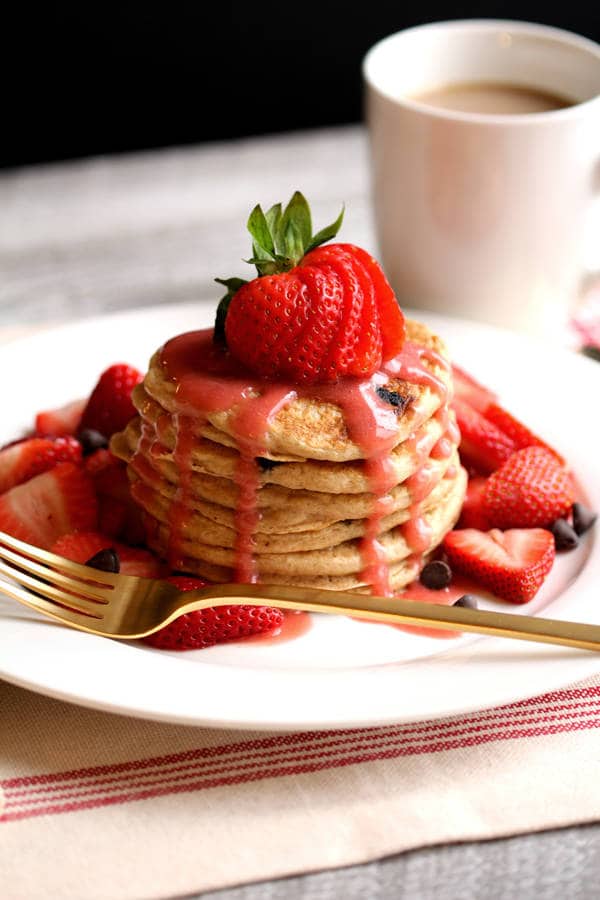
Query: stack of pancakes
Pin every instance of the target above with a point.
(314, 493)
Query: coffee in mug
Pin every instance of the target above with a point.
(493, 98)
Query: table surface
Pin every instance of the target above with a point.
(113, 233)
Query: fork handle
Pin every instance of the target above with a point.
(395, 611)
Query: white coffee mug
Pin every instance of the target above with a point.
(484, 215)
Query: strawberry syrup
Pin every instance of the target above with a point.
(444, 597)
(295, 624)
(208, 380)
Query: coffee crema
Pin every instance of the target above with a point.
(493, 98)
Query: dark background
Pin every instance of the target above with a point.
(107, 78)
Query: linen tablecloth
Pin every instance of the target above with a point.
(103, 806)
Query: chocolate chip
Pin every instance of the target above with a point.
(267, 464)
(565, 538)
(91, 440)
(392, 397)
(583, 518)
(436, 575)
(591, 352)
(469, 601)
(105, 561)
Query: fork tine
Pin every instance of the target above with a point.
(65, 616)
(90, 591)
(79, 604)
(75, 570)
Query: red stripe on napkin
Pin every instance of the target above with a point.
(292, 754)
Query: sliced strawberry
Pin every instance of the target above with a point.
(61, 421)
(99, 460)
(82, 546)
(520, 435)
(470, 391)
(530, 490)
(111, 477)
(142, 563)
(317, 312)
(472, 513)
(31, 457)
(109, 407)
(483, 446)
(118, 515)
(197, 630)
(187, 582)
(112, 516)
(50, 505)
(511, 564)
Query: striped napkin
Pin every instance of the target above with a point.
(97, 805)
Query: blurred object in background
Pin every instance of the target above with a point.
(95, 78)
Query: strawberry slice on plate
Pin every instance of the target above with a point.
(109, 407)
(80, 547)
(61, 421)
(31, 457)
(519, 433)
(118, 514)
(483, 446)
(472, 514)
(49, 505)
(207, 627)
(470, 391)
(511, 564)
(530, 490)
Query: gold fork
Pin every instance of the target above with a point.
(127, 607)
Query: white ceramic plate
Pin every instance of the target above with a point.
(341, 672)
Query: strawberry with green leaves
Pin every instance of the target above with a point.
(315, 313)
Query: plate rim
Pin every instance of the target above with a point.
(590, 569)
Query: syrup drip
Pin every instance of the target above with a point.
(408, 366)
(209, 381)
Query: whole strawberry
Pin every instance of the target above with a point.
(206, 627)
(532, 489)
(109, 407)
(314, 314)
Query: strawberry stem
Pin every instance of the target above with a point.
(280, 240)
(232, 285)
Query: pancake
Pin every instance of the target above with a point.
(315, 424)
(198, 526)
(343, 559)
(280, 508)
(400, 575)
(242, 479)
(219, 461)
